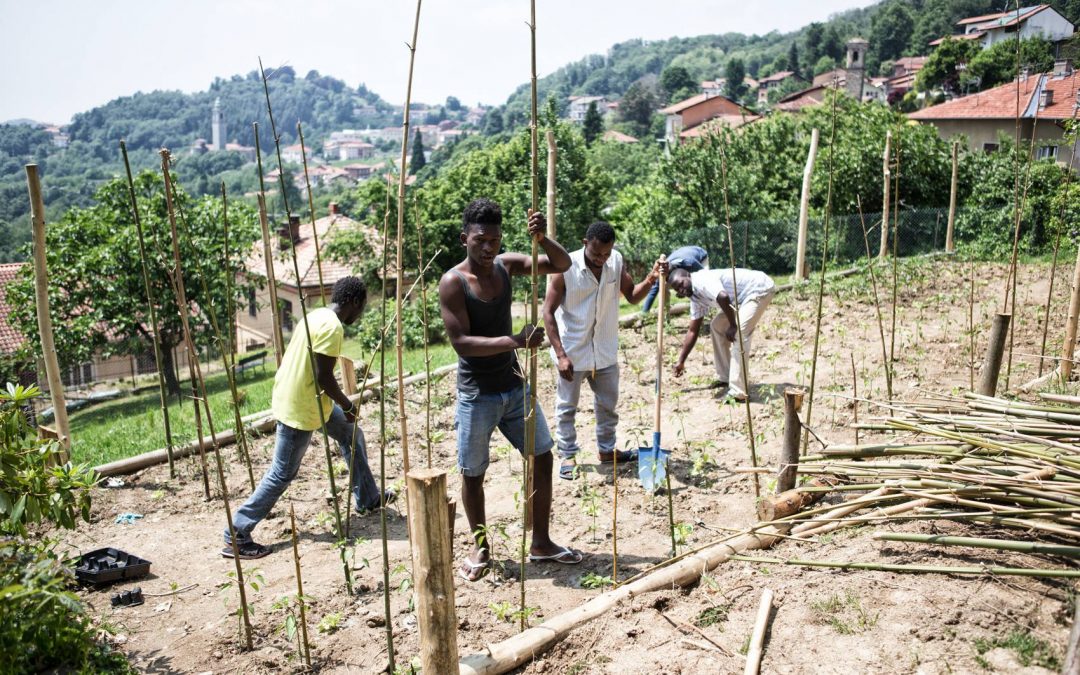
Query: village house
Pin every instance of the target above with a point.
(254, 320)
(718, 86)
(980, 118)
(347, 149)
(1034, 21)
(772, 82)
(682, 119)
(579, 106)
(612, 136)
(295, 153)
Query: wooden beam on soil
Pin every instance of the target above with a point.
(757, 638)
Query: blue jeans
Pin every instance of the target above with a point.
(478, 415)
(289, 450)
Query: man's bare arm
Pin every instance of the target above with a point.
(456, 321)
(555, 293)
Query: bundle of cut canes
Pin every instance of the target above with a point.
(1011, 466)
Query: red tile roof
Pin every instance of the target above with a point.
(305, 254)
(979, 19)
(1000, 102)
(967, 36)
(776, 77)
(618, 137)
(10, 338)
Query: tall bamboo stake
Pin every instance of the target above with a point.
(821, 283)
(300, 600)
(552, 175)
(1057, 247)
(528, 479)
(971, 327)
(1068, 349)
(44, 319)
(311, 213)
(877, 302)
(152, 309)
(801, 272)
(855, 396)
(402, 419)
(268, 256)
(895, 258)
(743, 356)
(883, 248)
(427, 351)
(341, 544)
(181, 296)
(382, 428)
(950, 245)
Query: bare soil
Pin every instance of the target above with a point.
(825, 621)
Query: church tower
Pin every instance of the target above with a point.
(217, 126)
(855, 71)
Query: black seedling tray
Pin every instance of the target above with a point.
(107, 565)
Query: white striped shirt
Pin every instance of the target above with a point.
(588, 317)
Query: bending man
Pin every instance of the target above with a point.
(689, 258)
(715, 289)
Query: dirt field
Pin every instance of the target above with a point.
(825, 621)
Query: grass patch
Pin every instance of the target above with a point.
(1029, 650)
(711, 616)
(844, 613)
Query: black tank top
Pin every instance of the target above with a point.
(488, 374)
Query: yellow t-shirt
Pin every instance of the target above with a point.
(294, 401)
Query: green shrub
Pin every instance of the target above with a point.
(367, 331)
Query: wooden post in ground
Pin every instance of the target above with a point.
(271, 280)
(433, 571)
(950, 245)
(1069, 347)
(789, 453)
(757, 639)
(995, 349)
(44, 319)
(801, 272)
(887, 174)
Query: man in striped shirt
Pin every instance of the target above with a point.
(581, 317)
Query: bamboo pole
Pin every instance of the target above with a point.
(757, 638)
(268, 256)
(402, 419)
(1069, 348)
(801, 272)
(301, 601)
(971, 327)
(339, 522)
(996, 544)
(658, 408)
(877, 302)
(1071, 665)
(151, 302)
(182, 302)
(552, 174)
(1057, 247)
(995, 349)
(789, 452)
(821, 285)
(883, 249)
(895, 258)
(382, 430)
(950, 245)
(44, 319)
(311, 213)
(855, 397)
(433, 571)
(529, 460)
(427, 351)
(743, 356)
(924, 569)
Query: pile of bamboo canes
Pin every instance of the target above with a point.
(975, 459)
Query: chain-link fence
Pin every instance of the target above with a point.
(771, 245)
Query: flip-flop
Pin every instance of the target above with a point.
(623, 455)
(565, 556)
(568, 471)
(472, 567)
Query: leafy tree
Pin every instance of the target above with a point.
(676, 80)
(890, 33)
(735, 79)
(493, 122)
(832, 44)
(997, 65)
(793, 58)
(813, 35)
(824, 65)
(941, 71)
(418, 159)
(637, 107)
(593, 125)
(96, 292)
(453, 104)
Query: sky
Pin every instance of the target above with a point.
(65, 56)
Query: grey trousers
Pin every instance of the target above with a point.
(605, 386)
(724, 352)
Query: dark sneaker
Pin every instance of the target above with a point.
(389, 497)
(248, 551)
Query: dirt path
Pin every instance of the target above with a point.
(825, 622)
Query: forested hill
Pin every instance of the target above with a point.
(894, 28)
(172, 119)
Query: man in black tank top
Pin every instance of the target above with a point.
(474, 299)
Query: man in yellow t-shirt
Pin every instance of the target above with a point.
(297, 407)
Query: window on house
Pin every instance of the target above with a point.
(1047, 152)
(253, 310)
(990, 147)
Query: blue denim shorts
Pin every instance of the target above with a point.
(478, 415)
